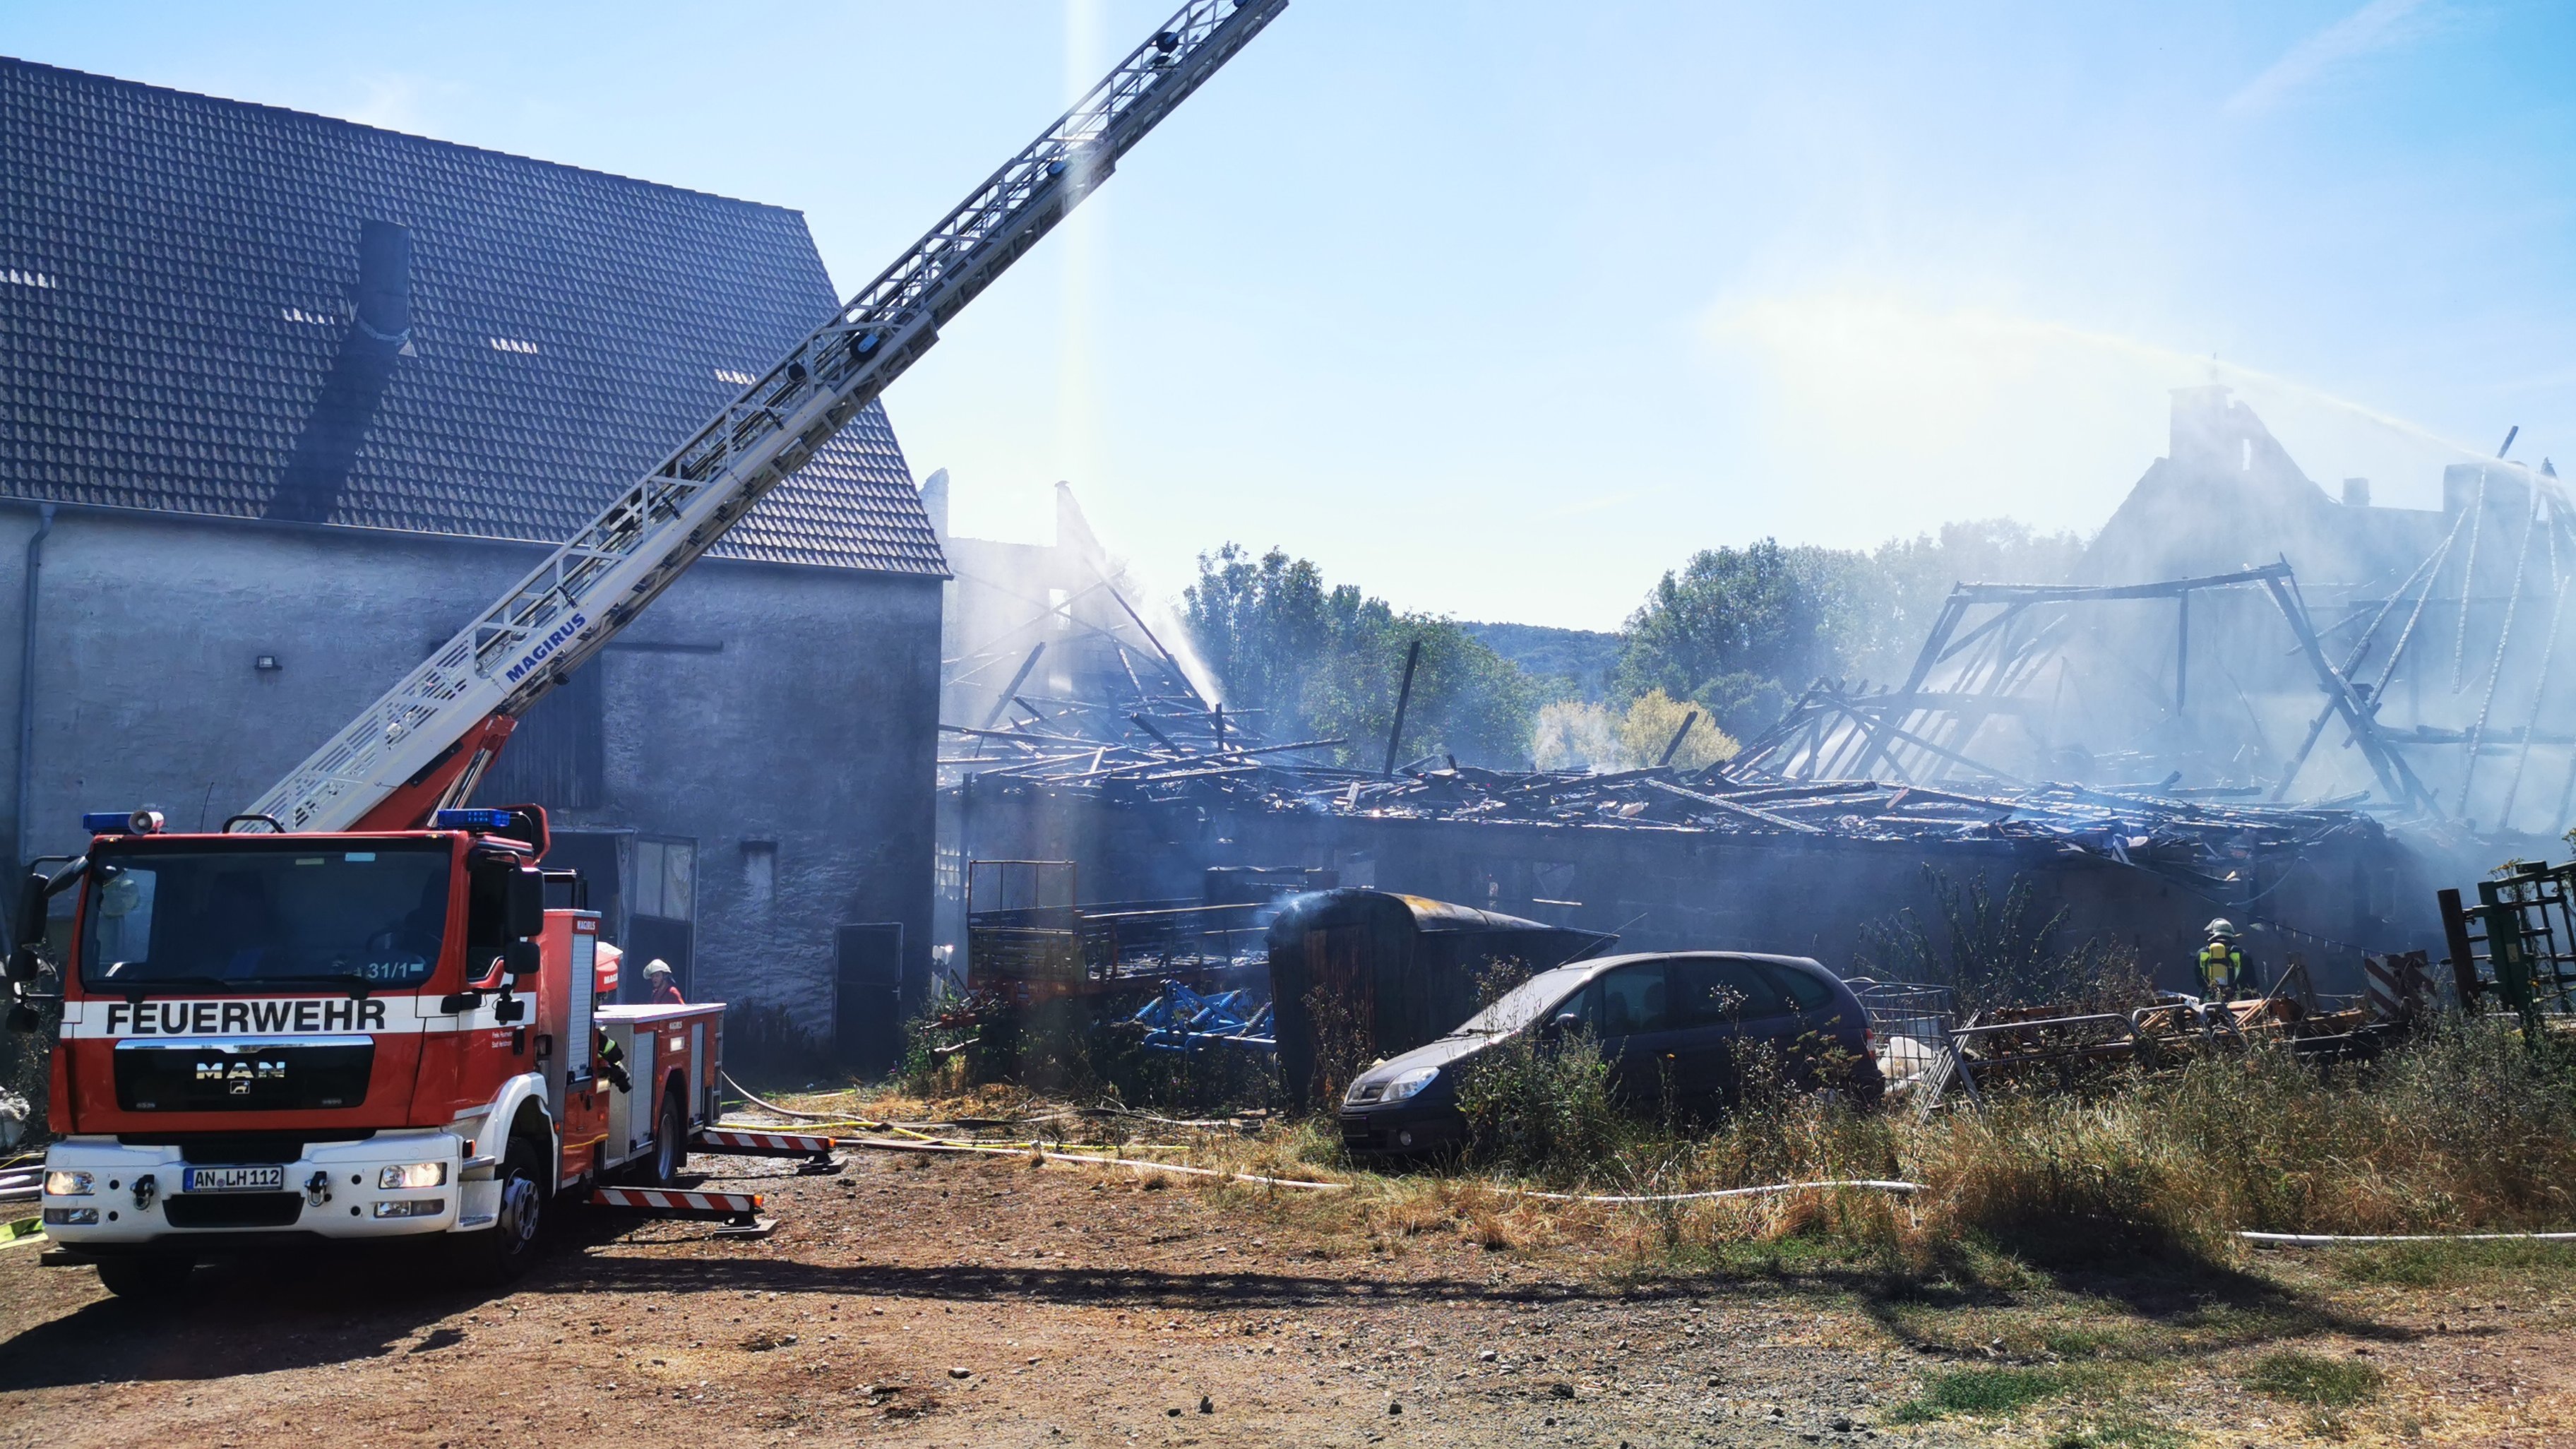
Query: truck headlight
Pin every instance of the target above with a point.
(412, 1174)
(71, 1217)
(69, 1184)
(1409, 1083)
(420, 1207)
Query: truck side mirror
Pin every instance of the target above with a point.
(20, 964)
(33, 892)
(521, 959)
(526, 915)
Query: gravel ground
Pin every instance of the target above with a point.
(930, 1301)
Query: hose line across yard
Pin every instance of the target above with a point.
(2326, 1240)
(1767, 1190)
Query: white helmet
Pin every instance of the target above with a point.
(2222, 928)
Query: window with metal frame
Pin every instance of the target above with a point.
(666, 874)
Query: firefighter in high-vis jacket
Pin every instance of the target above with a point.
(2224, 975)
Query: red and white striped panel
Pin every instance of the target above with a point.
(760, 1144)
(666, 1200)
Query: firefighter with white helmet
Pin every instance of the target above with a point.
(661, 985)
(2223, 972)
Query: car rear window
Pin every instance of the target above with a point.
(1711, 992)
(1803, 987)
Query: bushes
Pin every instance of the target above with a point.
(1541, 1107)
(1997, 950)
(2057, 1179)
(2458, 1130)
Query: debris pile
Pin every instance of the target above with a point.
(1925, 1051)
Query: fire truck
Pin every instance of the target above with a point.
(354, 1012)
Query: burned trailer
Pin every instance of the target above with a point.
(1356, 975)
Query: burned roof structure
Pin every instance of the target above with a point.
(1717, 859)
(1048, 661)
(2235, 631)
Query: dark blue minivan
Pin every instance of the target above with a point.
(1686, 1017)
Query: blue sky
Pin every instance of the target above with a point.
(1501, 309)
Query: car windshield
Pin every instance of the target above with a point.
(251, 916)
(1522, 1004)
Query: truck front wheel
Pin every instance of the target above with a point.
(148, 1277)
(504, 1250)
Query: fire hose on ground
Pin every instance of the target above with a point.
(912, 1139)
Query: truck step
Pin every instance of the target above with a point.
(738, 1211)
(743, 1142)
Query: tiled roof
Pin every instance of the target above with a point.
(179, 328)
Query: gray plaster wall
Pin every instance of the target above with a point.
(813, 726)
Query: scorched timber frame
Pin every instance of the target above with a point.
(1919, 733)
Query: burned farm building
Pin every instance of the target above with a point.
(2253, 699)
(288, 400)
(2237, 632)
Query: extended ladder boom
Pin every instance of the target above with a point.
(427, 740)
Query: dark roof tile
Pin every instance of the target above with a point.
(177, 282)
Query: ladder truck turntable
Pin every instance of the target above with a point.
(352, 1013)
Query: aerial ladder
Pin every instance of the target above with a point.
(353, 1013)
(425, 743)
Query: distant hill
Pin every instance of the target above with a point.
(1580, 655)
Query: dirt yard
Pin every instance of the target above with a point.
(980, 1301)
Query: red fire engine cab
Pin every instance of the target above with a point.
(347, 1035)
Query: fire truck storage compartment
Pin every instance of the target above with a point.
(659, 1040)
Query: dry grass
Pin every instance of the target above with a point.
(2461, 1130)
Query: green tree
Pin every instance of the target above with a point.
(1880, 618)
(1741, 632)
(1753, 610)
(1574, 735)
(1327, 661)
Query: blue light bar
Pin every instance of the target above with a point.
(472, 820)
(122, 822)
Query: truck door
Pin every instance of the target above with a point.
(508, 1048)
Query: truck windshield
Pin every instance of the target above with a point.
(251, 917)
